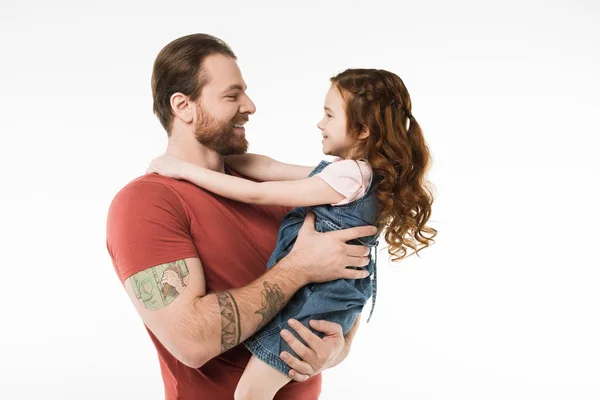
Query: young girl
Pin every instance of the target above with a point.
(377, 178)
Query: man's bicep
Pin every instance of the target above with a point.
(157, 287)
(165, 296)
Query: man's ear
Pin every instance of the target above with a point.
(182, 107)
(364, 133)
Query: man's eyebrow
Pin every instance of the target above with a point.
(234, 87)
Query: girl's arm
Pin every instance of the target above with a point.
(297, 193)
(265, 168)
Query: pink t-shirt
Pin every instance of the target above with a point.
(350, 178)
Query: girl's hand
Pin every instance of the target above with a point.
(169, 166)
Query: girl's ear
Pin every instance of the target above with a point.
(364, 133)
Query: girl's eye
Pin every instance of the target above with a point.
(329, 116)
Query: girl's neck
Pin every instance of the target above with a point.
(352, 154)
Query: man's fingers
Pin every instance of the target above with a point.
(299, 348)
(299, 366)
(327, 327)
(357, 250)
(354, 274)
(312, 340)
(356, 232)
(309, 221)
(357, 261)
(295, 375)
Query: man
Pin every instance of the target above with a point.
(194, 263)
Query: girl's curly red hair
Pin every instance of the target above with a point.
(397, 152)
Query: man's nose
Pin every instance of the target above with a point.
(248, 107)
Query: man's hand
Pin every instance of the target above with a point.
(321, 257)
(320, 354)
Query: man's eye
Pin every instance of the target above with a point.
(232, 97)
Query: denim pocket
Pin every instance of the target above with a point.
(324, 225)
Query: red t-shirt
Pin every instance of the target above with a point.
(154, 220)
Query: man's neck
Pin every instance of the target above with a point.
(192, 151)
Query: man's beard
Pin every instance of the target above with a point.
(219, 135)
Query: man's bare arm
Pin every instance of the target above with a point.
(195, 326)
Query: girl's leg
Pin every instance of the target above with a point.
(259, 381)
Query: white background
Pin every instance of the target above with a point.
(504, 306)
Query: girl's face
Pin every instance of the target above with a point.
(333, 126)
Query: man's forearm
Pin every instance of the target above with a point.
(236, 314)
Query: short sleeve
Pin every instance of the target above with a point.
(349, 178)
(147, 225)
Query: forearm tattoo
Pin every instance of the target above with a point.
(272, 302)
(231, 330)
(159, 286)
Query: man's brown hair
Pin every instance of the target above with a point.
(178, 68)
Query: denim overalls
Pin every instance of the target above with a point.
(337, 301)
